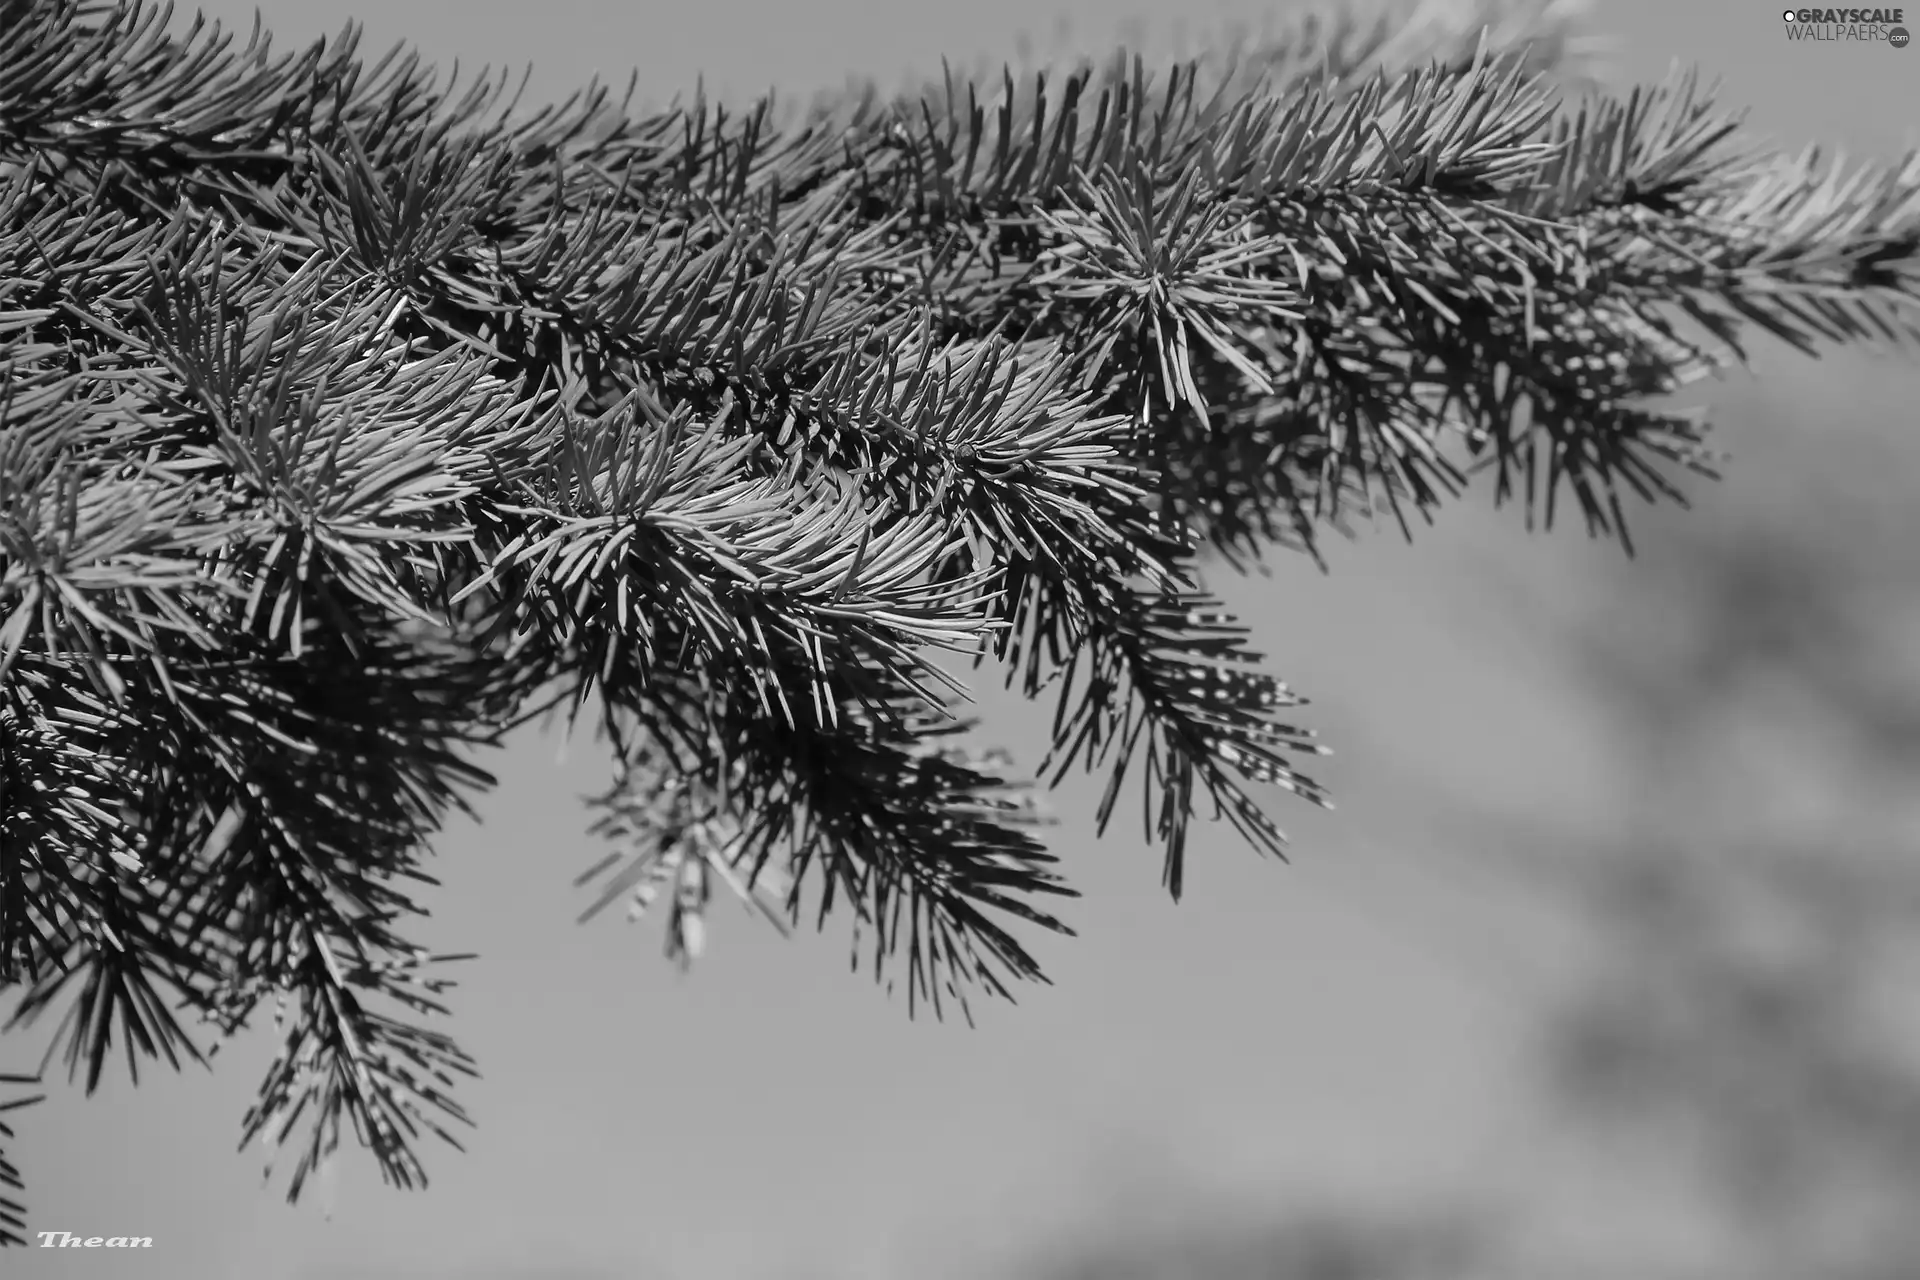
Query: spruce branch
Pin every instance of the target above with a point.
(343, 1060)
(920, 839)
(349, 419)
(13, 1214)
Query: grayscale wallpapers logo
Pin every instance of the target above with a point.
(1872, 26)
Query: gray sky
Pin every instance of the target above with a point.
(1356, 1022)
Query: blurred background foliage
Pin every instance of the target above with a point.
(1737, 1042)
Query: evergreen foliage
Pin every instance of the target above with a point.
(349, 421)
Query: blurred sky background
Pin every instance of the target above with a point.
(1371, 1033)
